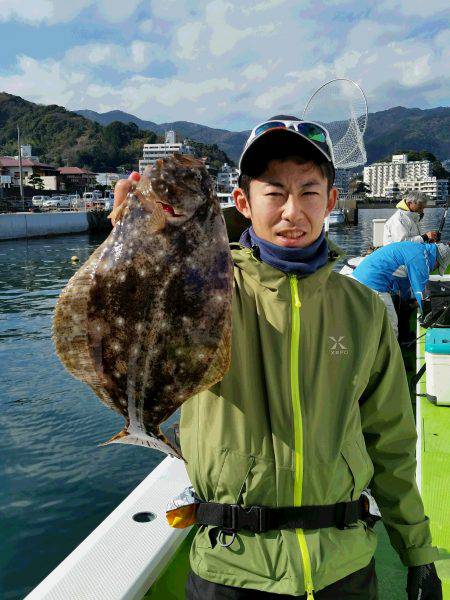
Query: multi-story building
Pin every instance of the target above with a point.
(152, 152)
(227, 179)
(378, 175)
(392, 190)
(436, 189)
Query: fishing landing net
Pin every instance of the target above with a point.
(343, 101)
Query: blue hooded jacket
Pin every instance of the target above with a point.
(401, 268)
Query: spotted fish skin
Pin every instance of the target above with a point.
(146, 321)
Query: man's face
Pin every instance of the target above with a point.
(414, 207)
(288, 203)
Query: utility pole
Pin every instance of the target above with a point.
(20, 169)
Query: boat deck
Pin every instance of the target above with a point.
(433, 454)
(128, 560)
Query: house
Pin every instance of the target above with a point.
(9, 166)
(74, 178)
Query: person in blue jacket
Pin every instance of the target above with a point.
(401, 268)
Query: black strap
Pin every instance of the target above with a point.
(258, 519)
(416, 378)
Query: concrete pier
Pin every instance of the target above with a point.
(28, 225)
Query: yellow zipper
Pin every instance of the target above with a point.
(298, 430)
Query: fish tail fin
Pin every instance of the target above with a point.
(118, 438)
(160, 443)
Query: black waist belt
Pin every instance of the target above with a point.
(258, 519)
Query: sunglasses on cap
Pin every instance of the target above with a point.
(308, 129)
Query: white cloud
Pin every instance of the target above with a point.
(224, 36)
(235, 62)
(146, 26)
(75, 88)
(415, 7)
(262, 6)
(36, 12)
(136, 57)
(271, 98)
(61, 84)
(187, 39)
(255, 72)
(170, 10)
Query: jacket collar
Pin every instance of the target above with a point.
(403, 206)
(277, 281)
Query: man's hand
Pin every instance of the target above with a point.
(121, 189)
(424, 583)
(432, 236)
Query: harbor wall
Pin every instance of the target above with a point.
(28, 225)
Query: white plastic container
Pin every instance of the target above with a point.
(437, 358)
(378, 229)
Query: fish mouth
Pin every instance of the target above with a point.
(168, 208)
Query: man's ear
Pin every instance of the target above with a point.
(242, 203)
(332, 199)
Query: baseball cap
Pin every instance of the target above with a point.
(443, 256)
(284, 135)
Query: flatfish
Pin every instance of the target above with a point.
(146, 321)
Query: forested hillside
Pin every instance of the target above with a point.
(388, 131)
(61, 137)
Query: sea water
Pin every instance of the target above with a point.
(56, 484)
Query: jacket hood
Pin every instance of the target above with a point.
(403, 206)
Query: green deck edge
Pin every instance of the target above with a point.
(171, 583)
(435, 466)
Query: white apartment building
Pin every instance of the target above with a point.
(435, 188)
(227, 179)
(152, 152)
(378, 175)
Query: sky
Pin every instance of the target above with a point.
(223, 63)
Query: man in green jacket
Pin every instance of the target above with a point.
(314, 409)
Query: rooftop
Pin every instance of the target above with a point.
(74, 171)
(8, 161)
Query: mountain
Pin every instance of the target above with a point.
(59, 136)
(106, 141)
(402, 128)
(109, 117)
(388, 131)
(230, 142)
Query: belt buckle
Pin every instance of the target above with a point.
(230, 529)
(261, 517)
(345, 519)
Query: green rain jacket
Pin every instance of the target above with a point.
(314, 408)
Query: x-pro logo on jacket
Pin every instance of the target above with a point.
(337, 345)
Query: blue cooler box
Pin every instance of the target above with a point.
(437, 358)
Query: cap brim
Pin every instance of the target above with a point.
(278, 143)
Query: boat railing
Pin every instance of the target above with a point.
(128, 551)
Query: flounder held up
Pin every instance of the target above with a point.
(146, 321)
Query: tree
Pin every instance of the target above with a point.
(357, 186)
(36, 181)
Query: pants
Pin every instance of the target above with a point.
(392, 313)
(361, 585)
